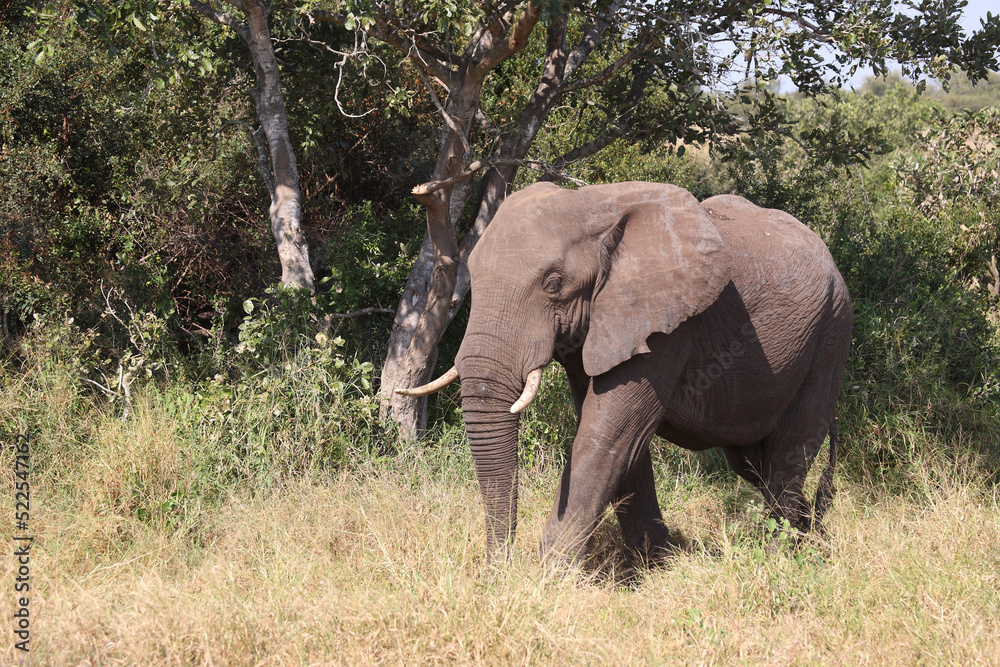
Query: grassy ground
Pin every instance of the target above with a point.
(384, 564)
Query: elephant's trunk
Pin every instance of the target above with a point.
(493, 439)
(492, 431)
(499, 353)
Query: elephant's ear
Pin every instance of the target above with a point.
(665, 261)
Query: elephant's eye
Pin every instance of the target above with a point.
(553, 284)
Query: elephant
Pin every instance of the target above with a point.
(712, 324)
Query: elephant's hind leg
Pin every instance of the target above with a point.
(826, 490)
(787, 454)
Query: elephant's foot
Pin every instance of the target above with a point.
(647, 543)
(651, 547)
(561, 549)
(604, 561)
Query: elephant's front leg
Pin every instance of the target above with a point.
(616, 424)
(639, 516)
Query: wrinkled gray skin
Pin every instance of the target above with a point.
(719, 324)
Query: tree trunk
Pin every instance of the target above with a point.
(282, 179)
(410, 360)
(423, 312)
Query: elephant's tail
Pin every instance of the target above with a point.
(825, 491)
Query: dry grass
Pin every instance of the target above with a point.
(386, 566)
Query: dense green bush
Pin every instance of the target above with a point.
(285, 400)
(126, 172)
(116, 183)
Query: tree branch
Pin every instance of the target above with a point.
(479, 165)
(814, 31)
(542, 168)
(495, 24)
(324, 16)
(391, 34)
(589, 148)
(593, 34)
(434, 186)
(223, 18)
(517, 39)
(486, 126)
(421, 42)
(388, 28)
(461, 134)
(109, 392)
(618, 129)
(540, 103)
(608, 72)
(344, 57)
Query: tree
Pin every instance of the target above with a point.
(629, 70)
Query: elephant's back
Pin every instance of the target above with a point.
(776, 256)
(766, 235)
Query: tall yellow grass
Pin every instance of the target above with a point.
(385, 566)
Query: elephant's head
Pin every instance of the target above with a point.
(596, 270)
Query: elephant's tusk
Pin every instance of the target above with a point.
(531, 386)
(436, 385)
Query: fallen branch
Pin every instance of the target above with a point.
(358, 313)
(109, 392)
